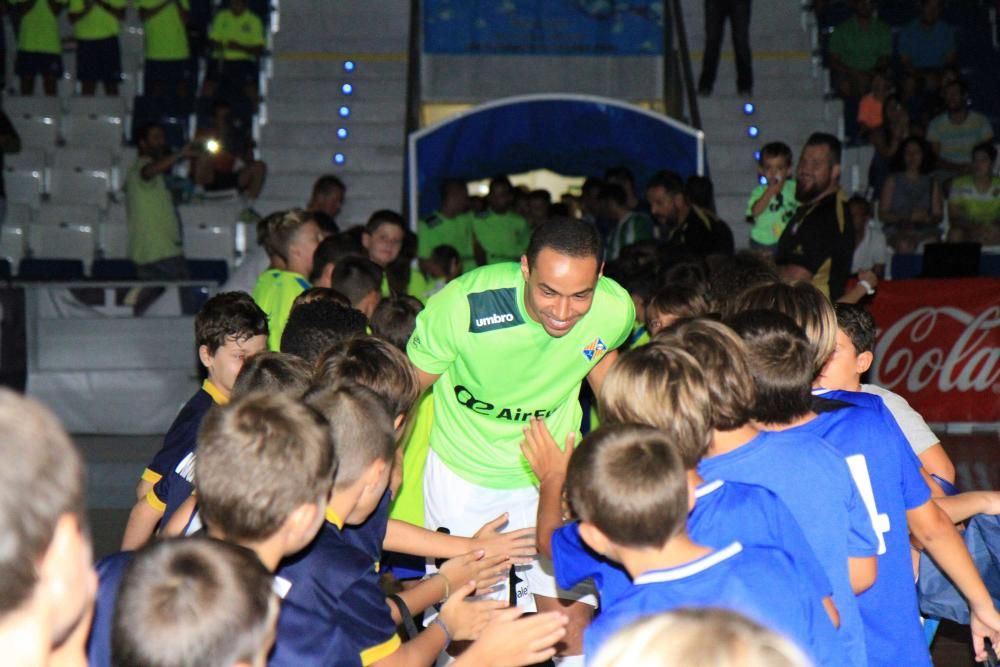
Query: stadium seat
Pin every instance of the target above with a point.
(95, 129)
(214, 270)
(112, 233)
(113, 269)
(12, 232)
(24, 185)
(906, 266)
(50, 269)
(209, 232)
(81, 175)
(64, 232)
(36, 119)
(172, 115)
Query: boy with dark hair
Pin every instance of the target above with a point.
(851, 359)
(395, 318)
(441, 268)
(627, 484)
(805, 472)
(888, 477)
(194, 602)
(274, 372)
(772, 203)
(329, 253)
(360, 280)
(320, 294)
(229, 329)
(45, 565)
(284, 447)
(313, 328)
(672, 303)
(383, 237)
(291, 241)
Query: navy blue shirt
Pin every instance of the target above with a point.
(110, 571)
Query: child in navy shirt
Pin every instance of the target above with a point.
(628, 486)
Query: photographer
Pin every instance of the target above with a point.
(227, 160)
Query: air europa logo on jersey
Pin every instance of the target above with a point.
(487, 409)
(493, 309)
(595, 350)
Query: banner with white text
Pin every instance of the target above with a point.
(939, 346)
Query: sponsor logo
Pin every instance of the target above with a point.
(595, 350)
(971, 364)
(494, 309)
(495, 318)
(487, 409)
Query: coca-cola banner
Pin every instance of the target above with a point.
(939, 346)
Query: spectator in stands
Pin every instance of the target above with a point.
(10, 142)
(167, 64)
(227, 160)
(859, 47)
(956, 132)
(974, 203)
(926, 47)
(910, 203)
(39, 48)
(96, 25)
(700, 191)
(590, 200)
(501, 235)
(886, 139)
(685, 229)
(449, 225)
(716, 13)
(326, 201)
(237, 37)
(870, 250)
(629, 226)
(871, 109)
(818, 244)
(154, 237)
(623, 176)
(539, 202)
(772, 203)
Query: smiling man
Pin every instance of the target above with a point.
(502, 344)
(818, 243)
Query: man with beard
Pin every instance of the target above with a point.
(818, 243)
(685, 229)
(154, 236)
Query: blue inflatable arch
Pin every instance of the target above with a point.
(572, 135)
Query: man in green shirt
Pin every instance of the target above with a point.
(39, 48)
(154, 236)
(96, 24)
(167, 65)
(630, 226)
(449, 225)
(237, 39)
(501, 346)
(858, 47)
(499, 231)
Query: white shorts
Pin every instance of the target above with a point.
(463, 507)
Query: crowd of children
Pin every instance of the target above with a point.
(746, 499)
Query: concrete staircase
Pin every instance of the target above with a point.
(788, 101)
(303, 112)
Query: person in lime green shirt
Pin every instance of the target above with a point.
(237, 39)
(449, 225)
(291, 240)
(500, 233)
(39, 47)
(501, 346)
(167, 65)
(96, 25)
(772, 203)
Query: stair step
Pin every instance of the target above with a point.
(282, 134)
(297, 159)
(290, 110)
(330, 89)
(302, 65)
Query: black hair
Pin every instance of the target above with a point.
(315, 327)
(356, 278)
(384, 216)
(395, 318)
(667, 180)
(776, 149)
(614, 193)
(333, 249)
(619, 173)
(898, 163)
(449, 184)
(828, 140)
(700, 191)
(858, 324)
(731, 276)
(566, 236)
(986, 147)
(443, 256)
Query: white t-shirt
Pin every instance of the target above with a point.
(916, 430)
(872, 250)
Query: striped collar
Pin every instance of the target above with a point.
(334, 518)
(707, 488)
(689, 569)
(213, 391)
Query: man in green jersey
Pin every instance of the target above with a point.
(499, 231)
(96, 24)
(449, 225)
(167, 66)
(39, 47)
(501, 345)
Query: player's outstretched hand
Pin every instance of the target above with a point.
(466, 618)
(984, 622)
(547, 461)
(486, 571)
(518, 545)
(512, 641)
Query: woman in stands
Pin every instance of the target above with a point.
(910, 202)
(886, 139)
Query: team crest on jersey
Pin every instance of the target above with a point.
(595, 350)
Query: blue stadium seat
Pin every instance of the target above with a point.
(215, 270)
(989, 265)
(907, 266)
(65, 270)
(113, 269)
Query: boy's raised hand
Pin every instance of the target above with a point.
(518, 545)
(510, 640)
(466, 618)
(547, 461)
(984, 622)
(475, 566)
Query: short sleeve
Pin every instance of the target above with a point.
(257, 36)
(433, 345)
(915, 489)
(814, 246)
(372, 630)
(157, 496)
(216, 31)
(571, 560)
(754, 196)
(916, 431)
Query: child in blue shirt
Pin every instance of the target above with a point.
(628, 486)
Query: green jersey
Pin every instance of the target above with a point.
(435, 230)
(408, 505)
(632, 228)
(767, 226)
(98, 23)
(245, 30)
(166, 33)
(274, 293)
(504, 236)
(38, 31)
(154, 232)
(499, 367)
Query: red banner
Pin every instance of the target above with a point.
(939, 346)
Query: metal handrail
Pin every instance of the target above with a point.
(413, 94)
(675, 16)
